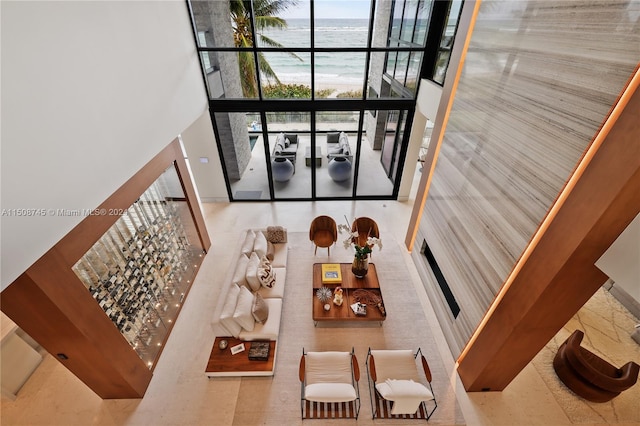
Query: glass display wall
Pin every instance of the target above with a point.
(141, 268)
(317, 63)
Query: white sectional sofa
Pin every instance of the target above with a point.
(230, 317)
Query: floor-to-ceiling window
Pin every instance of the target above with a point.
(311, 99)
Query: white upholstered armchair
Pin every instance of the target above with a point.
(329, 385)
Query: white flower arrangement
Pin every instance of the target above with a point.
(360, 252)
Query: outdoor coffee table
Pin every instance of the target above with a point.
(317, 157)
(352, 287)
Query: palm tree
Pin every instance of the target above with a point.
(264, 12)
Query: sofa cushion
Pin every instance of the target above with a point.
(277, 290)
(260, 309)
(260, 244)
(276, 234)
(333, 137)
(251, 274)
(240, 273)
(293, 138)
(271, 250)
(267, 276)
(243, 313)
(229, 308)
(270, 329)
(247, 245)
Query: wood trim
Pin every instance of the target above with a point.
(52, 305)
(558, 275)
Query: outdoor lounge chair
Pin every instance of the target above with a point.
(329, 385)
(396, 387)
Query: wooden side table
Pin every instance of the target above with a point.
(222, 363)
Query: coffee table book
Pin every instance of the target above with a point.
(331, 273)
(259, 351)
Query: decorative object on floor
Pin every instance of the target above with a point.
(329, 385)
(590, 376)
(360, 265)
(282, 169)
(340, 169)
(324, 294)
(323, 232)
(395, 385)
(337, 296)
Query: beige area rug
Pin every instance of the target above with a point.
(276, 400)
(607, 326)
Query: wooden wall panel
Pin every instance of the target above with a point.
(557, 275)
(53, 306)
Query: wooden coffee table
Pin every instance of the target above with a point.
(349, 286)
(223, 363)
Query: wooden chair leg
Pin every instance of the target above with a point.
(315, 251)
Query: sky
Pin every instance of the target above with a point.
(330, 9)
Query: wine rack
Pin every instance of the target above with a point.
(139, 270)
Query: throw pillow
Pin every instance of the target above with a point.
(228, 309)
(251, 274)
(247, 245)
(271, 250)
(240, 274)
(267, 276)
(276, 234)
(243, 314)
(265, 262)
(260, 309)
(260, 244)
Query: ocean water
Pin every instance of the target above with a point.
(331, 68)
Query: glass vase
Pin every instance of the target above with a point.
(360, 266)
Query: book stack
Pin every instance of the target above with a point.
(259, 351)
(331, 273)
(360, 309)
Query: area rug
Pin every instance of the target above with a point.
(277, 401)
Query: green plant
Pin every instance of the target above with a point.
(287, 91)
(324, 93)
(357, 94)
(264, 13)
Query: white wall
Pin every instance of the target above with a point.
(91, 91)
(621, 262)
(199, 142)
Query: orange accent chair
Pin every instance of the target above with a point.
(366, 228)
(323, 232)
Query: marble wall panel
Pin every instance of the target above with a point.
(539, 79)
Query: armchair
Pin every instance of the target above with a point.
(395, 385)
(323, 232)
(590, 376)
(329, 385)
